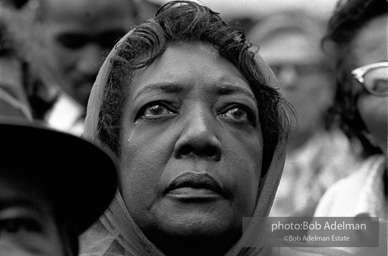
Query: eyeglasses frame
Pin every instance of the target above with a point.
(358, 75)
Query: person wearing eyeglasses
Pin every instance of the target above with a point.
(357, 34)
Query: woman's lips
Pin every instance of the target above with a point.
(192, 192)
(191, 185)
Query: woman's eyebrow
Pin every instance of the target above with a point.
(164, 87)
(232, 89)
(22, 203)
(19, 202)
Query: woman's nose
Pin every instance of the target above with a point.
(198, 137)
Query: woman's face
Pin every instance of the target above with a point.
(191, 145)
(27, 225)
(370, 46)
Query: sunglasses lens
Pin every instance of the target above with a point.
(376, 80)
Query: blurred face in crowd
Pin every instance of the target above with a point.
(370, 46)
(27, 225)
(191, 145)
(298, 64)
(13, 97)
(78, 34)
(11, 78)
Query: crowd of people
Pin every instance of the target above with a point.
(319, 153)
(125, 133)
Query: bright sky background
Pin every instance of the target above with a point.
(252, 8)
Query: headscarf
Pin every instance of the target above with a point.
(117, 234)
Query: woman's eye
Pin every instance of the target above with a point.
(15, 225)
(237, 114)
(156, 110)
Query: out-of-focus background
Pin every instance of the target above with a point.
(259, 8)
(51, 52)
(249, 11)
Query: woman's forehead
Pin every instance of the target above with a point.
(189, 62)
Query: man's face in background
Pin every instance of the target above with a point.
(78, 34)
(299, 66)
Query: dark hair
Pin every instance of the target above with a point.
(347, 21)
(188, 21)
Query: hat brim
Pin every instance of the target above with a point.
(80, 177)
